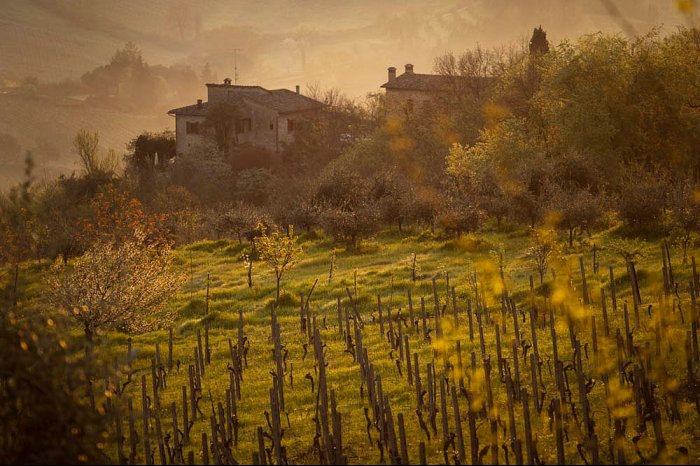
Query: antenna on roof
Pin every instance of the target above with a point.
(235, 66)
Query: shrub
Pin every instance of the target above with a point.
(641, 197)
(458, 216)
(45, 417)
(350, 225)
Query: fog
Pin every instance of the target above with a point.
(278, 43)
(282, 43)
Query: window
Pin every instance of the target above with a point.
(290, 125)
(192, 127)
(272, 126)
(243, 125)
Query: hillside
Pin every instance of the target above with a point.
(34, 120)
(217, 290)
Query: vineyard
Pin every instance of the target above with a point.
(453, 355)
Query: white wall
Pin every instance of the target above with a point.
(184, 140)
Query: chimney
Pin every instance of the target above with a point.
(199, 103)
(392, 73)
(227, 81)
(298, 89)
(409, 68)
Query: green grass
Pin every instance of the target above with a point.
(383, 266)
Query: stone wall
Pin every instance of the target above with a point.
(398, 101)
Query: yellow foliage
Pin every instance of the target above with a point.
(550, 221)
(672, 384)
(619, 400)
(400, 144)
(685, 6)
(494, 113)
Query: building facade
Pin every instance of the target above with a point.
(266, 119)
(407, 93)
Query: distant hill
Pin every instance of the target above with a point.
(40, 121)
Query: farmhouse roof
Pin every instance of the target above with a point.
(191, 110)
(279, 100)
(429, 82)
(285, 101)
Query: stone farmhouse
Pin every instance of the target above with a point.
(267, 118)
(406, 93)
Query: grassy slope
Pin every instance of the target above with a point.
(386, 257)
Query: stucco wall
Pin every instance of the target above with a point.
(260, 133)
(268, 129)
(183, 140)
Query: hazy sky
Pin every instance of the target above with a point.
(346, 44)
(276, 43)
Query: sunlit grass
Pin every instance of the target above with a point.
(386, 271)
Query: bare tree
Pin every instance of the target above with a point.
(86, 144)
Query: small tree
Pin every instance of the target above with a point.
(541, 252)
(279, 251)
(350, 225)
(122, 286)
(239, 219)
(458, 216)
(642, 197)
(221, 121)
(86, 145)
(578, 209)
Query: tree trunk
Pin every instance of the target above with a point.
(279, 277)
(89, 338)
(250, 272)
(571, 237)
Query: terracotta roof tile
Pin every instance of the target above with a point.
(285, 101)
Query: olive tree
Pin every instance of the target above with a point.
(112, 286)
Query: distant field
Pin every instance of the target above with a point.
(383, 269)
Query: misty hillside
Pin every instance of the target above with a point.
(346, 45)
(46, 127)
